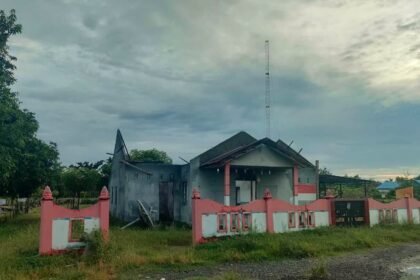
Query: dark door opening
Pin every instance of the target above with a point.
(350, 212)
(166, 202)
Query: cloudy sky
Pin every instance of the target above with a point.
(182, 76)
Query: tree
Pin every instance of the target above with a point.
(153, 155)
(26, 162)
(324, 171)
(80, 179)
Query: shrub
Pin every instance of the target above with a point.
(96, 250)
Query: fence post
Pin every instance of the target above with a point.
(104, 212)
(331, 209)
(196, 218)
(269, 211)
(409, 209)
(45, 235)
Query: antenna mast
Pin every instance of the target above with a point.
(267, 89)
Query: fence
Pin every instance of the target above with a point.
(62, 229)
(405, 210)
(211, 219)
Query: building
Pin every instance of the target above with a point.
(387, 186)
(234, 172)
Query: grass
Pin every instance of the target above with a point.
(133, 250)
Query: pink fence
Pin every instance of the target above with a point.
(400, 211)
(212, 219)
(61, 227)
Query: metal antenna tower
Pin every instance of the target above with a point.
(267, 89)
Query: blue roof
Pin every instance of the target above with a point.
(388, 185)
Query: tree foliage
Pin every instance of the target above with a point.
(26, 161)
(324, 171)
(152, 155)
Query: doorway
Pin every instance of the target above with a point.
(245, 191)
(166, 202)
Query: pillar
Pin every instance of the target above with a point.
(317, 178)
(104, 212)
(295, 183)
(227, 183)
(331, 209)
(409, 209)
(45, 234)
(196, 218)
(269, 211)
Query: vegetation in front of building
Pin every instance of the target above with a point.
(134, 250)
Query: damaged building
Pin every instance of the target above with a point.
(234, 172)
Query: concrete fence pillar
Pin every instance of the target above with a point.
(227, 184)
(409, 207)
(104, 212)
(331, 209)
(45, 234)
(196, 218)
(269, 211)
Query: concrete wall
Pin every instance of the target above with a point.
(210, 183)
(264, 157)
(117, 179)
(61, 229)
(416, 215)
(307, 175)
(139, 186)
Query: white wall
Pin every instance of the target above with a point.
(61, 230)
(281, 221)
(416, 215)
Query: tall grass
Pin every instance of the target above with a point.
(135, 249)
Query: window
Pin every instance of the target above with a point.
(77, 228)
(395, 215)
(381, 216)
(222, 222)
(311, 219)
(184, 192)
(302, 219)
(292, 220)
(234, 222)
(246, 221)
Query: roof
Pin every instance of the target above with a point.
(240, 139)
(388, 185)
(292, 152)
(333, 179)
(239, 151)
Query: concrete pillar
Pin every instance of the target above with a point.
(196, 218)
(45, 234)
(295, 183)
(317, 178)
(104, 212)
(227, 184)
(409, 209)
(269, 211)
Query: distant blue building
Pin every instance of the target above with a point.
(387, 186)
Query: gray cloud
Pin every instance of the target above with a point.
(182, 77)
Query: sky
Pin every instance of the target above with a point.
(182, 76)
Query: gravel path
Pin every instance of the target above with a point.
(384, 263)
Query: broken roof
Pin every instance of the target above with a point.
(243, 143)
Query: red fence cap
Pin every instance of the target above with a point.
(267, 194)
(104, 193)
(47, 194)
(195, 194)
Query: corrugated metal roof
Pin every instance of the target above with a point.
(388, 185)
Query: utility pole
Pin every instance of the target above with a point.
(267, 90)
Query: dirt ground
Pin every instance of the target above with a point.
(383, 263)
